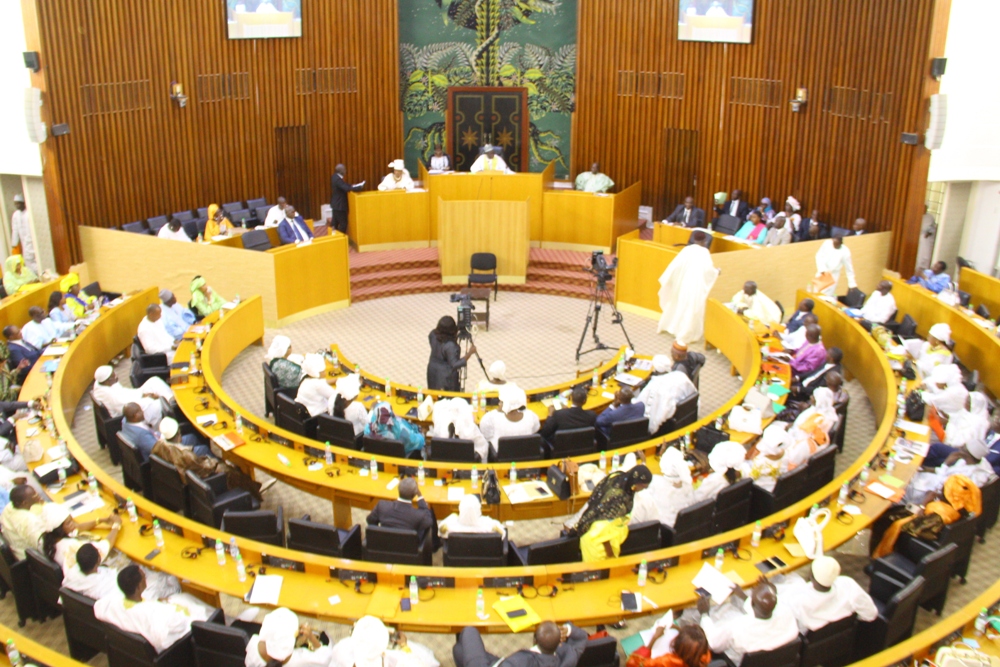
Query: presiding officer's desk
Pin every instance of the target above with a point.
(583, 586)
(389, 220)
(983, 290)
(573, 220)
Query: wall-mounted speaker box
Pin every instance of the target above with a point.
(910, 138)
(31, 61)
(33, 115)
(939, 118)
(938, 66)
(60, 129)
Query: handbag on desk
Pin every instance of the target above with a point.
(745, 420)
(962, 655)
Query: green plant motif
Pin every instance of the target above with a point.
(548, 76)
(427, 73)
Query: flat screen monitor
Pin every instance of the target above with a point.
(263, 19)
(715, 21)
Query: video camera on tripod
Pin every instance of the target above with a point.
(600, 268)
(463, 314)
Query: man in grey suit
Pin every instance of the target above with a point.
(555, 646)
(687, 215)
(401, 513)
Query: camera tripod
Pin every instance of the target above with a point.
(600, 296)
(465, 328)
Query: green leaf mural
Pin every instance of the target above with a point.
(510, 43)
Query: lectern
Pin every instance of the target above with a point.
(500, 227)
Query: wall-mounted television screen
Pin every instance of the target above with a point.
(262, 19)
(715, 21)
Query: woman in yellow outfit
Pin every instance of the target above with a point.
(78, 302)
(217, 225)
(17, 277)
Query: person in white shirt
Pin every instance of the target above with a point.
(345, 406)
(511, 419)
(496, 377)
(284, 641)
(593, 180)
(469, 519)
(153, 335)
(880, 305)
(663, 391)
(315, 393)
(489, 161)
(173, 231)
(368, 646)
(453, 419)
(161, 623)
(833, 257)
(935, 351)
(151, 396)
(20, 234)
(60, 543)
(753, 304)
(830, 597)
(769, 462)
(399, 179)
(672, 490)
(89, 576)
(41, 330)
(440, 161)
(796, 339)
(780, 232)
(944, 390)
(276, 213)
(21, 520)
(760, 624)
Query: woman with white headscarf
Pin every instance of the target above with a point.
(314, 392)
(935, 351)
(944, 390)
(792, 208)
(968, 425)
(344, 405)
(453, 419)
(726, 459)
(496, 378)
(769, 463)
(283, 641)
(368, 646)
(285, 365)
(469, 519)
(672, 490)
(811, 430)
(511, 419)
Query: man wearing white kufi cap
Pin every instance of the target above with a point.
(935, 351)
(368, 646)
(830, 597)
(344, 405)
(671, 491)
(664, 390)
(944, 389)
(769, 463)
(151, 396)
(496, 377)
(279, 633)
(726, 459)
(399, 179)
(314, 391)
(489, 161)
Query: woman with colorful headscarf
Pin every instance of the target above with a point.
(754, 229)
(383, 424)
(217, 224)
(603, 525)
(204, 300)
(944, 390)
(811, 430)
(936, 350)
(16, 276)
(469, 519)
(77, 301)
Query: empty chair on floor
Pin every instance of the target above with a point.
(726, 224)
(190, 228)
(319, 538)
(452, 450)
(243, 218)
(787, 490)
(260, 525)
(216, 645)
(475, 550)
(732, 506)
(483, 271)
(232, 206)
(46, 580)
(257, 203)
(897, 610)
(209, 499)
(395, 545)
(260, 212)
(991, 507)
(518, 448)
(84, 633)
(549, 552)
(256, 239)
(336, 430)
(693, 523)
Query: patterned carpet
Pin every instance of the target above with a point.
(536, 336)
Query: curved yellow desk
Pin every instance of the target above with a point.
(14, 308)
(34, 653)
(982, 288)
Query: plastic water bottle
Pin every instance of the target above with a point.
(643, 572)
(720, 556)
(719, 423)
(234, 550)
(420, 395)
(92, 483)
(388, 388)
(237, 300)
(241, 569)
(597, 378)
(192, 363)
(157, 533)
(845, 494)
(981, 622)
(475, 401)
(220, 552)
(414, 591)
(602, 462)
(620, 367)
(902, 386)
(61, 473)
(866, 473)
(890, 465)
(239, 424)
(758, 530)
(421, 474)
(513, 473)
(616, 462)
(133, 516)
(357, 368)
(814, 510)
(328, 454)
(198, 342)
(475, 478)
(13, 655)
(480, 603)
(336, 362)
(374, 468)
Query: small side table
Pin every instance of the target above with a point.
(479, 316)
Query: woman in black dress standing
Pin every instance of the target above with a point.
(446, 356)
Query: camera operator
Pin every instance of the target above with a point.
(446, 356)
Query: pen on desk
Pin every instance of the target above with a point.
(655, 606)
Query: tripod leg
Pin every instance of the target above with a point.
(617, 316)
(586, 325)
(597, 318)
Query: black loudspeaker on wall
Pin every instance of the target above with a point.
(910, 138)
(31, 61)
(938, 66)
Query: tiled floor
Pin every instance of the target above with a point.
(537, 337)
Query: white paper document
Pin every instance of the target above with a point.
(204, 419)
(913, 427)
(266, 589)
(55, 351)
(525, 492)
(718, 585)
(46, 468)
(628, 379)
(455, 494)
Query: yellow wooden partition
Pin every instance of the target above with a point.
(389, 220)
(14, 308)
(673, 235)
(587, 221)
(982, 288)
(500, 227)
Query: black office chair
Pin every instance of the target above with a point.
(518, 448)
(854, 298)
(183, 216)
(146, 366)
(107, 428)
(964, 298)
(261, 525)
(256, 239)
(572, 442)
(294, 416)
(727, 224)
(732, 505)
(685, 414)
(475, 550)
(202, 225)
(257, 203)
(787, 489)
(46, 580)
(991, 508)
(84, 633)
(136, 227)
(209, 499)
(216, 645)
(452, 450)
(319, 538)
(964, 263)
(600, 652)
(190, 228)
(128, 649)
(983, 311)
(383, 447)
(16, 579)
(484, 261)
(907, 327)
(821, 468)
(897, 610)
(841, 431)
(707, 437)
(783, 656)
(395, 545)
(167, 486)
(625, 433)
(830, 646)
(136, 473)
(270, 388)
(692, 523)
(642, 537)
(336, 430)
(156, 223)
(243, 217)
(548, 552)
(961, 533)
(233, 206)
(260, 212)
(908, 561)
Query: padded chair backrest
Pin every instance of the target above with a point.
(256, 239)
(190, 228)
(168, 487)
(383, 446)
(257, 203)
(388, 545)
(642, 537)
(821, 468)
(46, 578)
(519, 448)
(452, 450)
(261, 525)
(552, 552)
(336, 431)
(790, 487)
(694, 522)
(202, 225)
(201, 499)
(136, 227)
(128, 649)
(156, 223)
(732, 505)
(261, 212)
(935, 567)
(182, 215)
(293, 416)
(475, 550)
(983, 311)
(81, 625)
(17, 578)
(216, 645)
(907, 328)
(855, 298)
(316, 538)
(783, 656)
(232, 206)
(574, 442)
(203, 212)
(484, 261)
(628, 432)
(685, 414)
(727, 224)
(601, 652)
(242, 216)
(831, 645)
(135, 471)
(901, 612)
(991, 505)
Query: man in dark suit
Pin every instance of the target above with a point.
(555, 646)
(23, 354)
(401, 513)
(735, 206)
(138, 433)
(859, 227)
(687, 214)
(572, 417)
(795, 321)
(338, 200)
(292, 228)
(812, 228)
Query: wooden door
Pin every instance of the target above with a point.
(481, 115)
(292, 168)
(680, 173)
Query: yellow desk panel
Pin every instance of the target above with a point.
(577, 220)
(640, 264)
(311, 277)
(14, 308)
(34, 653)
(389, 220)
(676, 235)
(984, 290)
(468, 227)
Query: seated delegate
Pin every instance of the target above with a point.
(282, 640)
(490, 161)
(753, 304)
(555, 646)
(17, 277)
(293, 229)
(176, 318)
(409, 512)
(511, 419)
(935, 279)
(687, 214)
(58, 310)
(453, 418)
(593, 180)
(397, 179)
(173, 231)
(663, 391)
(469, 519)
(217, 224)
(204, 300)
(574, 416)
(78, 301)
(383, 424)
(622, 408)
(829, 597)
(152, 333)
(286, 366)
(153, 396)
(22, 354)
(40, 330)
